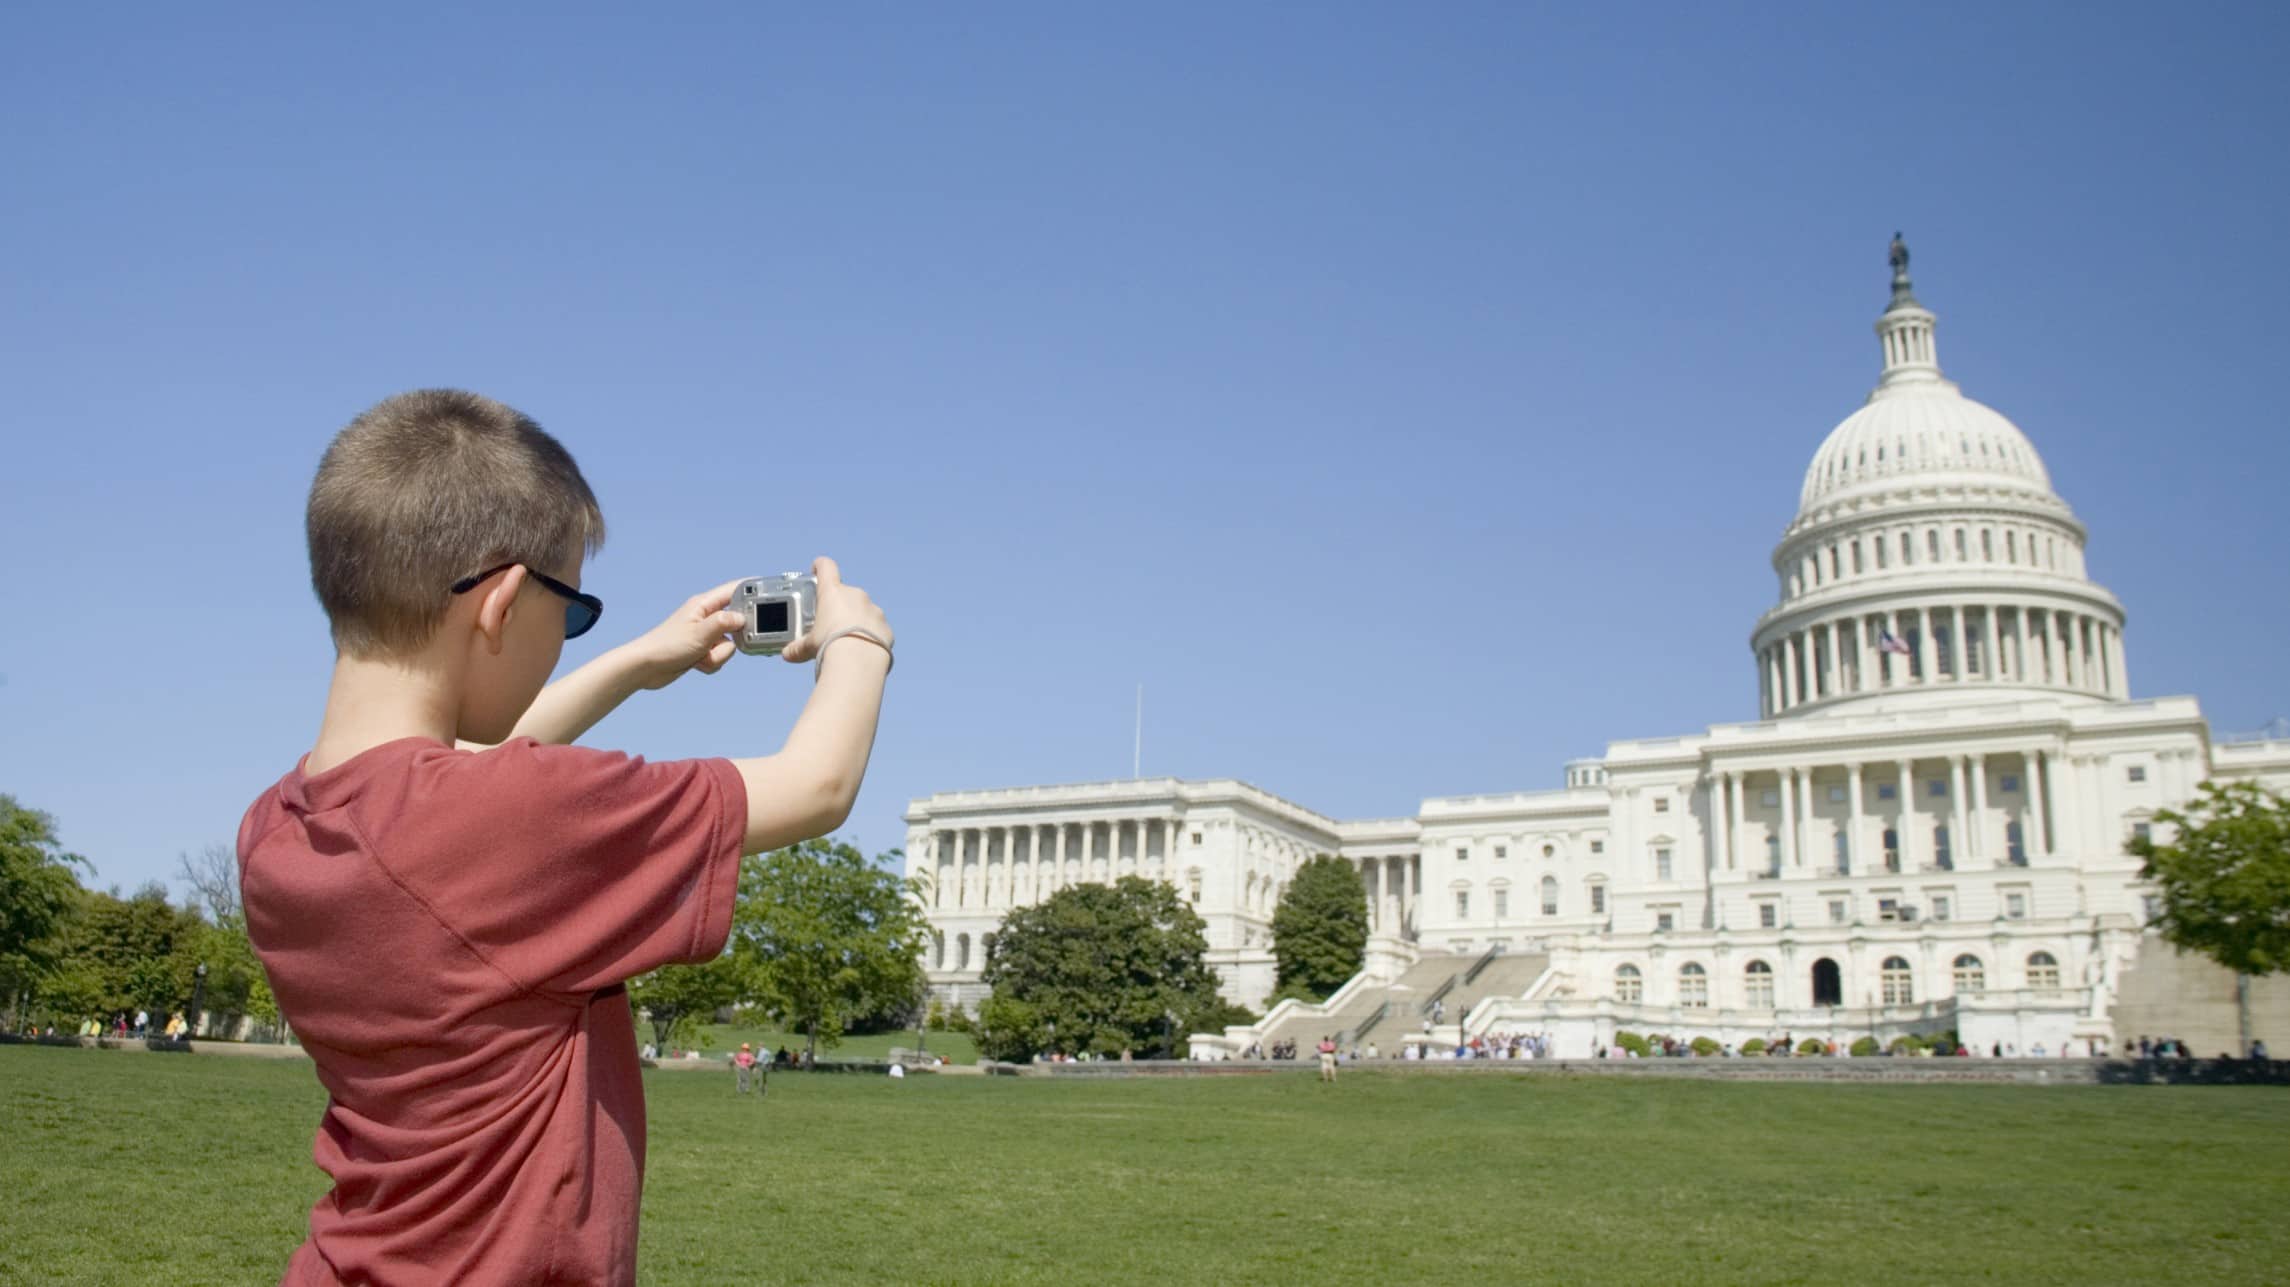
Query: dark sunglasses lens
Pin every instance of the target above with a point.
(579, 617)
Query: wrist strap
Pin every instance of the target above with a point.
(853, 632)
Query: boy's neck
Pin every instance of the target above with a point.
(375, 701)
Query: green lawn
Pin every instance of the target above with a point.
(137, 1168)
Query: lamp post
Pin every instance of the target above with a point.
(198, 998)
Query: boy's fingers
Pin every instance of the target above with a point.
(824, 568)
(716, 657)
(730, 620)
(714, 600)
(800, 650)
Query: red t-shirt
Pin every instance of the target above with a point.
(448, 933)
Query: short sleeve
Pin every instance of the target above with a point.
(571, 869)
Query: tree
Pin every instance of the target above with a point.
(824, 938)
(213, 878)
(1320, 929)
(676, 998)
(1102, 968)
(2225, 881)
(137, 953)
(39, 889)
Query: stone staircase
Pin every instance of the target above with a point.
(1385, 1015)
(2169, 993)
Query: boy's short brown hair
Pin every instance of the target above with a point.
(429, 487)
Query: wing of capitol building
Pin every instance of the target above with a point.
(1924, 831)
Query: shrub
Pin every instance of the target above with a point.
(1907, 1044)
(1706, 1046)
(1812, 1046)
(1633, 1043)
(1753, 1046)
(1865, 1047)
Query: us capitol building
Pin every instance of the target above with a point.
(1923, 831)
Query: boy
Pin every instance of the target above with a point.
(448, 896)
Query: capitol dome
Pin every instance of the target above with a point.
(1930, 559)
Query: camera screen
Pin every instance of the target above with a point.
(771, 617)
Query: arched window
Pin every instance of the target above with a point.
(1550, 895)
(1941, 857)
(1757, 978)
(1898, 983)
(962, 951)
(1628, 986)
(1597, 897)
(1971, 976)
(1891, 849)
(2043, 970)
(1693, 987)
(937, 950)
(2014, 844)
(1463, 903)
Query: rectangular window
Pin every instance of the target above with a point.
(2142, 831)
(1661, 864)
(1837, 911)
(1462, 903)
(1891, 849)
(1888, 909)
(1462, 853)
(1768, 916)
(1196, 837)
(2138, 773)
(1844, 853)
(1941, 856)
(1940, 907)
(1887, 791)
(1936, 787)
(1598, 846)
(1665, 921)
(2015, 907)
(1771, 799)
(2151, 905)
(1502, 903)
(1661, 804)
(1598, 900)
(1836, 795)
(1502, 851)
(2010, 784)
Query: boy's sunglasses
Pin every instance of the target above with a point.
(581, 610)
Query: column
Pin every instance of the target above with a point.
(2064, 780)
(2020, 669)
(1826, 643)
(1853, 829)
(1924, 643)
(1904, 827)
(1955, 811)
(1864, 652)
(1975, 825)
(1892, 670)
(1958, 653)
(2033, 832)
(2119, 678)
(1788, 819)
(1788, 671)
(1728, 816)
(2070, 661)
(1992, 630)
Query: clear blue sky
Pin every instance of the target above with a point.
(1409, 398)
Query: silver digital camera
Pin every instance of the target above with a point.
(779, 611)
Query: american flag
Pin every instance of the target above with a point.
(1887, 641)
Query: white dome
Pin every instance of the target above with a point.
(1925, 432)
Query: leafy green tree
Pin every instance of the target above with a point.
(676, 999)
(39, 890)
(1101, 968)
(1320, 929)
(138, 952)
(824, 938)
(2224, 879)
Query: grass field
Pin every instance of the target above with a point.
(127, 1168)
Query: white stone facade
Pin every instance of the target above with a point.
(1925, 831)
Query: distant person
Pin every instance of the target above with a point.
(2258, 1048)
(1373, 1053)
(1327, 1050)
(744, 1069)
(445, 823)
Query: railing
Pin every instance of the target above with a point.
(1368, 1024)
(1486, 959)
(1440, 994)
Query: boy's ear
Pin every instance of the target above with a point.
(496, 607)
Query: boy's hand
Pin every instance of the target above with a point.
(840, 606)
(696, 636)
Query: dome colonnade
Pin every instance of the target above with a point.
(1930, 552)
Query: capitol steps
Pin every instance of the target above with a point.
(2169, 993)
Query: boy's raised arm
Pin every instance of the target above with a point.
(808, 788)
